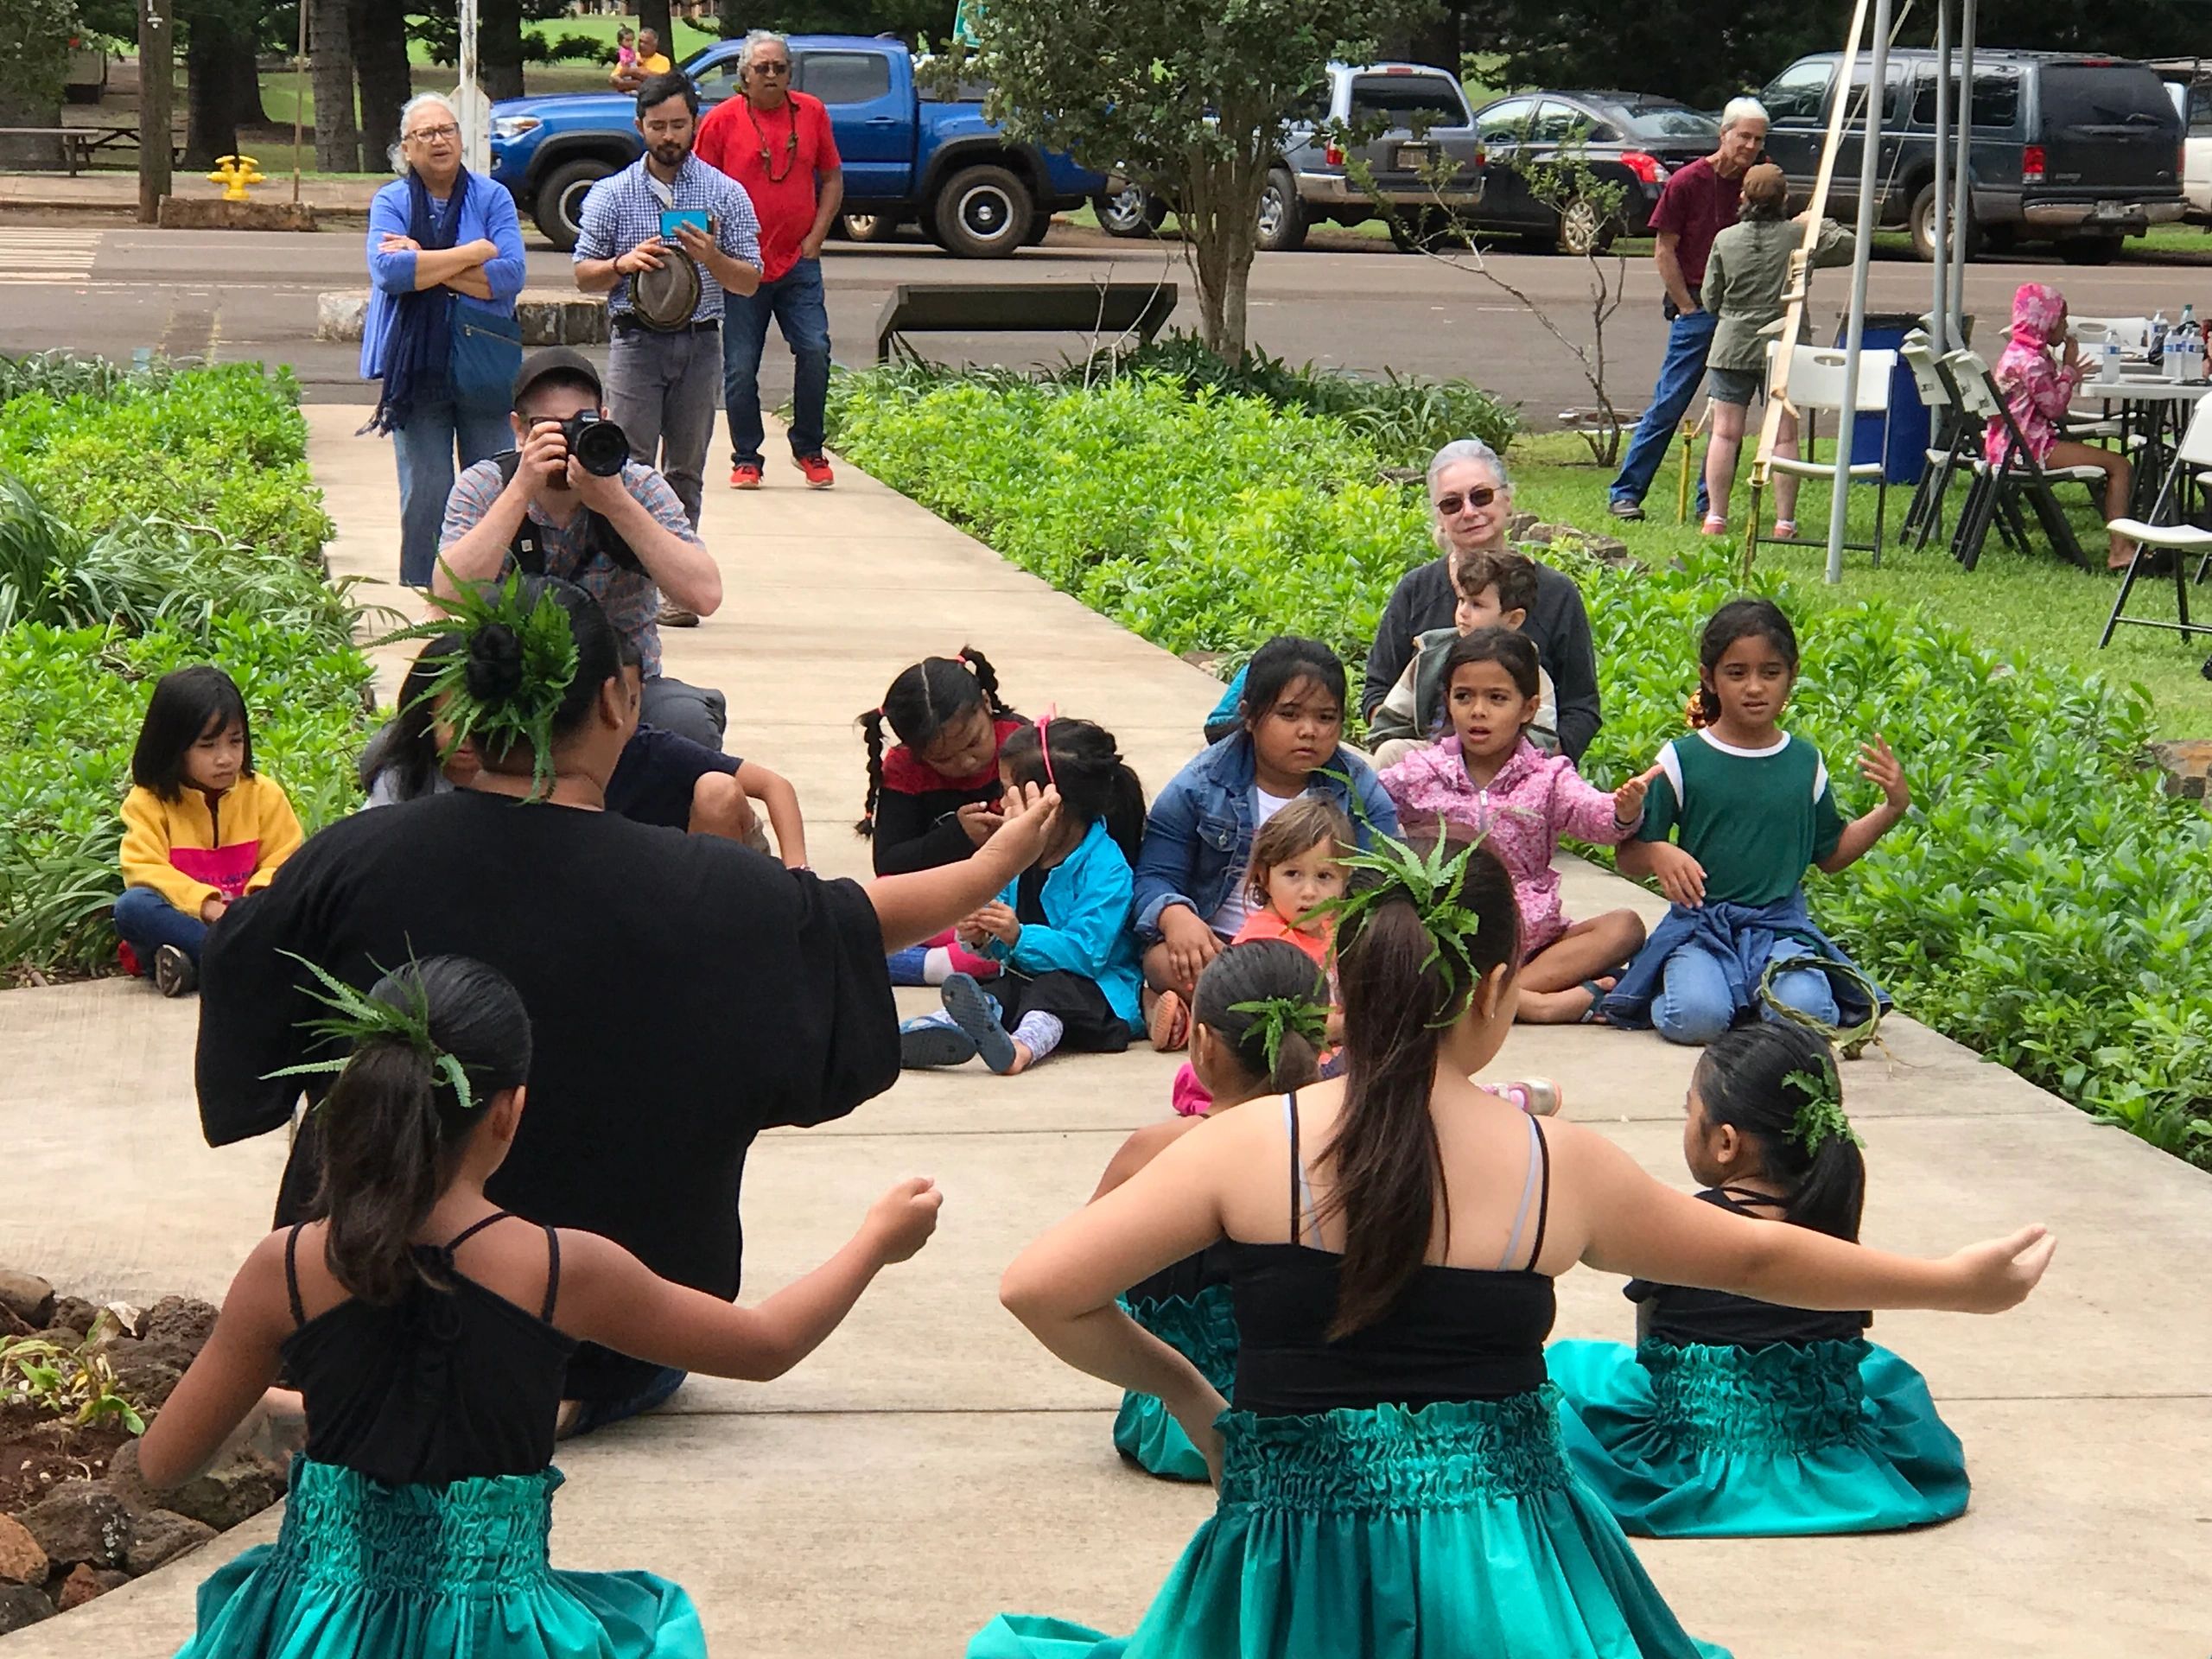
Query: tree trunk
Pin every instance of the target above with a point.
(330, 70)
(379, 29)
(210, 110)
(239, 69)
(653, 14)
(498, 49)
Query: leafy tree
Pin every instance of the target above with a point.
(34, 64)
(1190, 101)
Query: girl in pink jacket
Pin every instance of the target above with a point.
(2038, 393)
(1484, 779)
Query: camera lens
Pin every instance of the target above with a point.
(599, 445)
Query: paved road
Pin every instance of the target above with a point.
(91, 287)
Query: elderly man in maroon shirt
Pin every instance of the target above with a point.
(1699, 202)
(778, 145)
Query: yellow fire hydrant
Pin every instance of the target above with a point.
(234, 173)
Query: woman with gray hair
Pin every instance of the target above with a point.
(445, 263)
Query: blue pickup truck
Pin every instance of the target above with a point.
(909, 151)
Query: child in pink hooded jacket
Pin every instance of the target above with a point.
(2039, 392)
(1484, 779)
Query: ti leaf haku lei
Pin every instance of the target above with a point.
(1820, 1118)
(1431, 882)
(356, 1018)
(548, 646)
(1275, 1017)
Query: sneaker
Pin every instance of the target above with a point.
(1715, 526)
(975, 1015)
(1621, 507)
(175, 973)
(745, 475)
(127, 960)
(1785, 530)
(818, 475)
(1538, 1097)
(675, 616)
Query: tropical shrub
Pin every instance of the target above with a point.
(2044, 901)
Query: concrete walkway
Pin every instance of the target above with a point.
(932, 1465)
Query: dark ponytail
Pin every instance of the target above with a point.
(1088, 770)
(1745, 1079)
(1739, 618)
(393, 1129)
(1254, 972)
(922, 702)
(1401, 993)
(405, 747)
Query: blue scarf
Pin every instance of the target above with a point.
(421, 331)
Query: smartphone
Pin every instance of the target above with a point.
(672, 217)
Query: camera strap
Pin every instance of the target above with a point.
(601, 539)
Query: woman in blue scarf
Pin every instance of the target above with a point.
(441, 238)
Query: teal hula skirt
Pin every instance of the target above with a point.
(1203, 1330)
(1453, 1532)
(1791, 1440)
(362, 1568)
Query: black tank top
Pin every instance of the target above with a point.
(1684, 1317)
(1454, 1334)
(444, 1384)
(1185, 1279)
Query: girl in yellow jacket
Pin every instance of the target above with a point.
(201, 827)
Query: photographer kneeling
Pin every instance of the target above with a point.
(571, 504)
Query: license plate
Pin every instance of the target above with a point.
(1413, 157)
(2111, 210)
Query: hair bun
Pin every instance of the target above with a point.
(494, 673)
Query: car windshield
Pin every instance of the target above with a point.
(1653, 122)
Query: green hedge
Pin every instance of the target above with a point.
(99, 598)
(2044, 902)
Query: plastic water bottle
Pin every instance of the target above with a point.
(2108, 365)
(2158, 350)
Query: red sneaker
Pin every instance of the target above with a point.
(127, 959)
(818, 475)
(746, 475)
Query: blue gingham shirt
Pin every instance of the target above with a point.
(622, 210)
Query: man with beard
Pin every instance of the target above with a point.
(663, 383)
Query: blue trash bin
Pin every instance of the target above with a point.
(1908, 417)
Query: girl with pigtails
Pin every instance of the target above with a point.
(1732, 1417)
(1390, 1461)
(428, 1330)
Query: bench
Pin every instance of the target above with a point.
(80, 145)
(1021, 309)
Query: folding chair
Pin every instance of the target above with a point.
(2196, 456)
(1998, 490)
(1951, 432)
(1816, 383)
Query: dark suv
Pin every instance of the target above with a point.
(2081, 151)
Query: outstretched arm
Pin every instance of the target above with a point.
(1882, 769)
(922, 904)
(229, 1376)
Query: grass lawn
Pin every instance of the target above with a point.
(2035, 604)
(689, 39)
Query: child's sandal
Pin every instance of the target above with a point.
(1169, 1023)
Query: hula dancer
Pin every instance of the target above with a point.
(1737, 1418)
(1391, 1473)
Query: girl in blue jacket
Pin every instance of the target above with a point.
(1191, 887)
(1062, 927)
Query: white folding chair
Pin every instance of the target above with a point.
(2179, 540)
(1816, 383)
(1998, 490)
(1949, 432)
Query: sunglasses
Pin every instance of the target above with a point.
(769, 66)
(1481, 496)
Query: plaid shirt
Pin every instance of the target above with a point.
(622, 210)
(629, 598)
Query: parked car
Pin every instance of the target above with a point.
(2189, 83)
(909, 152)
(1627, 139)
(2082, 151)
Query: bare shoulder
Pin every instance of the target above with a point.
(1140, 1149)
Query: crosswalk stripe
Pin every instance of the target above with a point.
(53, 255)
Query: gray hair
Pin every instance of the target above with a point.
(1452, 454)
(1740, 110)
(754, 40)
(406, 113)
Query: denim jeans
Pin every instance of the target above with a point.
(699, 713)
(1690, 337)
(425, 448)
(794, 299)
(661, 389)
(146, 921)
(1694, 1005)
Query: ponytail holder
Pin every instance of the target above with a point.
(1820, 1118)
(1275, 1017)
(357, 1020)
(1044, 742)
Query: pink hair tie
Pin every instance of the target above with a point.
(1045, 741)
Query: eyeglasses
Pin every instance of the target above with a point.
(1447, 506)
(769, 66)
(432, 135)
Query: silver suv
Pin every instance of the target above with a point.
(1422, 113)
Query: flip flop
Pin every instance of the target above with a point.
(1170, 1023)
(926, 1044)
(971, 1011)
(1594, 1014)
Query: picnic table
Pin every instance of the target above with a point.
(81, 144)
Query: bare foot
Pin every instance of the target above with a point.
(1567, 1007)
(1024, 1057)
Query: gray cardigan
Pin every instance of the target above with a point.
(1744, 277)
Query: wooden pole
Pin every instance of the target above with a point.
(299, 102)
(156, 105)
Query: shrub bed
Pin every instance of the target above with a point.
(98, 600)
(2044, 902)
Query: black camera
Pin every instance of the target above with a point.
(599, 445)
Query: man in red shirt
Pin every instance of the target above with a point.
(1699, 202)
(778, 145)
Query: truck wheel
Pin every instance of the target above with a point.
(870, 227)
(2091, 250)
(560, 206)
(1282, 215)
(982, 213)
(1134, 211)
(1041, 226)
(1922, 226)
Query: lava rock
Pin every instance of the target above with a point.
(22, 1605)
(27, 1296)
(75, 1313)
(81, 1521)
(87, 1583)
(163, 1535)
(148, 1381)
(238, 1486)
(184, 1320)
(21, 1560)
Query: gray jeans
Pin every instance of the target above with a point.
(663, 390)
(699, 713)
